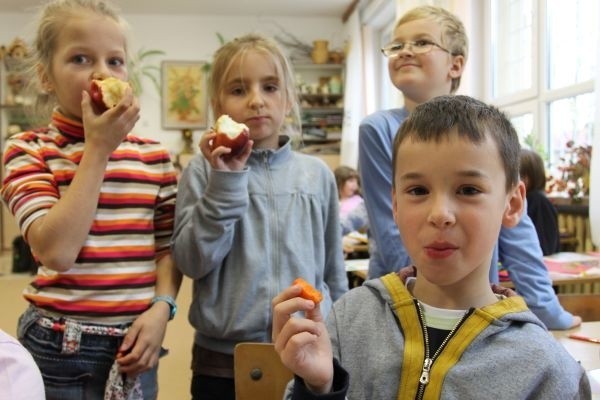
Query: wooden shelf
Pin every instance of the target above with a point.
(319, 97)
(322, 111)
(319, 66)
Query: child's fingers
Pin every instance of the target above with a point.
(286, 294)
(86, 105)
(297, 332)
(285, 304)
(129, 339)
(247, 150)
(205, 144)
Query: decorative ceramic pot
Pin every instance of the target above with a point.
(335, 85)
(320, 52)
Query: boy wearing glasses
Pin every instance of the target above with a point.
(438, 330)
(426, 59)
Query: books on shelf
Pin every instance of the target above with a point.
(572, 263)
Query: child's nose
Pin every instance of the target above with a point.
(100, 71)
(99, 75)
(441, 214)
(407, 50)
(256, 99)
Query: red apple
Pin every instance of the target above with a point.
(230, 134)
(106, 93)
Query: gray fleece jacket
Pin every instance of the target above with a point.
(501, 351)
(245, 236)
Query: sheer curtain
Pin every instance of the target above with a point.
(354, 104)
(595, 167)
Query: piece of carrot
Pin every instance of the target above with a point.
(308, 291)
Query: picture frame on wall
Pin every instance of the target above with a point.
(184, 95)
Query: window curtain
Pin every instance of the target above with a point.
(594, 200)
(354, 104)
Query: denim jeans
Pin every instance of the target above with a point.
(79, 376)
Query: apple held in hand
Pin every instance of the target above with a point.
(230, 134)
(107, 93)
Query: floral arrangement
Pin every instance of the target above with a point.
(573, 172)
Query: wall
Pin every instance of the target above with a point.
(190, 37)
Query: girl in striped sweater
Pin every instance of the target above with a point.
(96, 205)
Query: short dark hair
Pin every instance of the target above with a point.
(472, 119)
(532, 168)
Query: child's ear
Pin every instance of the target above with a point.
(515, 206)
(457, 67)
(44, 78)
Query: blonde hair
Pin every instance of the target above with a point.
(50, 21)
(454, 38)
(234, 50)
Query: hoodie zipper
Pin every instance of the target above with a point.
(428, 362)
(274, 231)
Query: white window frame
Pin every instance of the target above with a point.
(537, 99)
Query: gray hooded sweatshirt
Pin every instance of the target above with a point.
(500, 352)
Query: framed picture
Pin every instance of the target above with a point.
(184, 95)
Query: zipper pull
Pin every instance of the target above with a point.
(424, 380)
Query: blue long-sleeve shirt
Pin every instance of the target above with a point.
(518, 248)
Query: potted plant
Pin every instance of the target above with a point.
(141, 66)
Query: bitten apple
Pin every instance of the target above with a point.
(106, 93)
(230, 134)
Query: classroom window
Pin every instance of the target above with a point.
(570, 119)
(542, 70)
(523, 123)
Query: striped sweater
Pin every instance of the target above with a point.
(114, 275)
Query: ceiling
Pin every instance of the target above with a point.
(297, 8)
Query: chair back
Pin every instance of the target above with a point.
(259, 373)
(587, 306)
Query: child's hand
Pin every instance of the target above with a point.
(219, 158)
(104, 132)
(303, 343)
(140, 349)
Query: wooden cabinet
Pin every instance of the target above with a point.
(321, 91)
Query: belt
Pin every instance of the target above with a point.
(61, 325)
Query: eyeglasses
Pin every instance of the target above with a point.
(418, 47)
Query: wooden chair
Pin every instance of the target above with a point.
(259, 373)
(587, 306)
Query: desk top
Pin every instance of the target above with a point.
(563, 280)
(587, 353)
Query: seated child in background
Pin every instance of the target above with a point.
(348, 186)
(353, 213)
(436, 329)
(541, 211)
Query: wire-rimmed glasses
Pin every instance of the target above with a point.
(417, 47)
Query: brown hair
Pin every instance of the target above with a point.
(454, 36)
(532, 170)
(50, 21)
(472, 119)
(234, 50)
(343, 174)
